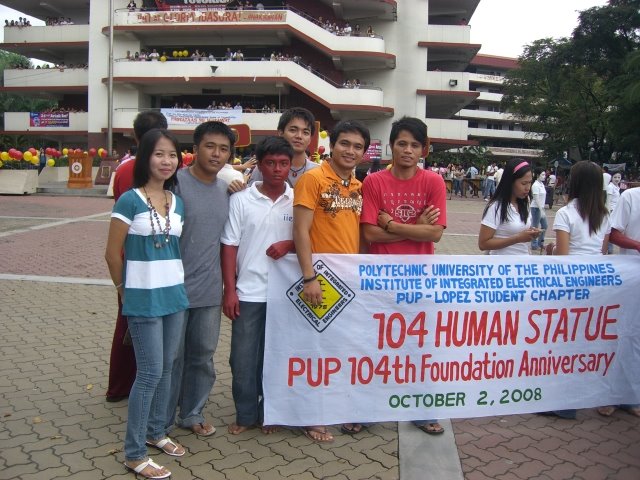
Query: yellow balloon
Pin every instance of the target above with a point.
(4, 156)
(1, 164)
(175, 53)
(185, 53)
(65, 151)
(51, 162)
(35, 160)
(323, 134)
(28, 156)
(163, 58)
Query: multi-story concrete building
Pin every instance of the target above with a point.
(409, 58)
(488, 125)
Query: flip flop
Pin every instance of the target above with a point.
(353, 430)
(310, 431)
(203, 429)
(167, 442)
(431, 428)
(606, 411)
(149, 463)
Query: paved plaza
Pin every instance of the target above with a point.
(58, 311)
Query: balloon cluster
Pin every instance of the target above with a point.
(32, 155)
(178, 54)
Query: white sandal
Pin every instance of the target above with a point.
(163, 443)
(149, 463)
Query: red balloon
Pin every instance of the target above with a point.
(18, 155)
(78, 150)
(320, 149)
(92, 152)
(12, 152)
(33, 151)
(104, 153)
(48, 151)
(57, 154)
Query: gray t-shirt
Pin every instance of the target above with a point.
(294, 175)
(206, 208)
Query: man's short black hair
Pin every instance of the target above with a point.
(273, 146)
(146, 121)
(348, 126)
(414, 126)
(297, 112)
(215, 127)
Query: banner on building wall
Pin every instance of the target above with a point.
(374, 152)
(194, 117)
(418, 337)
(207, 16)
(56, 120)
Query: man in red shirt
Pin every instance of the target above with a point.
(404, 210)
(122, 363)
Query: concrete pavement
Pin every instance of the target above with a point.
(57, 316)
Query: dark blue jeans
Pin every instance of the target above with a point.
(246, 358)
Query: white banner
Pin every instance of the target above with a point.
(418, 337)
(194, 117)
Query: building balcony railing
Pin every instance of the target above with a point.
(510, 134)
(254, 76)
(221, 20)
(485, 115)
(47, 34)
(490, 97)
(449, 33)
(449, 129)
(46, 78)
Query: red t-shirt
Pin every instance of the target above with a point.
(123, 180)
(404, 200)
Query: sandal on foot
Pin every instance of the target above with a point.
(354, 429)
(203, 429)
(606, 411)
(317, 434)
(431, 428)
(168, 446)
(138, 469)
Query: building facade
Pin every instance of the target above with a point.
(394, 59)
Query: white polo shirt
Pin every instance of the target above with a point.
(581, 242)
(626, 217)
(255, 223)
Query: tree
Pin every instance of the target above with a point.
(583, 92)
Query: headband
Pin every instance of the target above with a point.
(520, 165)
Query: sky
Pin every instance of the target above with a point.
(503, 27)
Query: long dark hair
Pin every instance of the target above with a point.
(143, 157)
(585, 185)
(516, 168)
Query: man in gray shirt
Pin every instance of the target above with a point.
(206, 206)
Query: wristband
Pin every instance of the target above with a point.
(310, 279)
(386, 227)
(118, 286)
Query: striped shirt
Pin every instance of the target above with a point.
(153, 277)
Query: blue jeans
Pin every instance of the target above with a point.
(457, 186)
(155, 342)
(489, 187)
(194, 372)
(538, 219)
(247, 354)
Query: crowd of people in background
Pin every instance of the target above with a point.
(21, 22)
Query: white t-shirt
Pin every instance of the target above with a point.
(539, 193)
(613, 195)
(512, 226)
(255, 223)
(552, 180)
(606, 178)
(228, 174)
(498, 176)
(626, 217)
(580, 241)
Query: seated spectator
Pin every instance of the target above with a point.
(370, 31)
(154, 55)
(132, 7)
